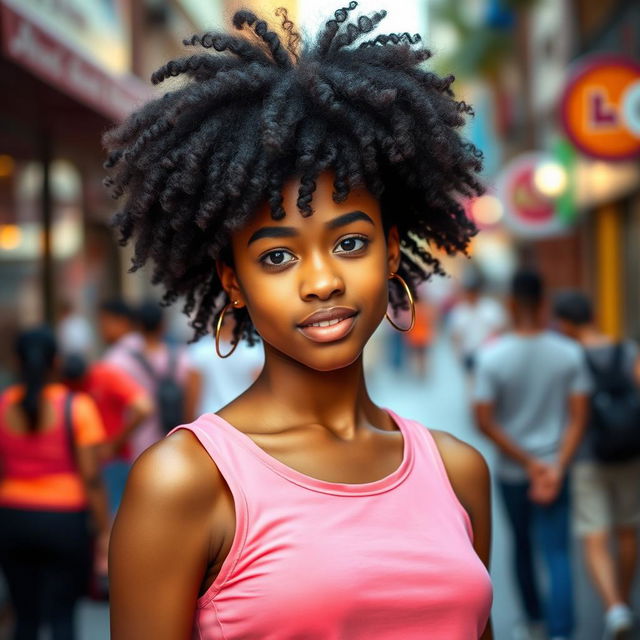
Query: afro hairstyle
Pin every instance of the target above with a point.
(255, 109)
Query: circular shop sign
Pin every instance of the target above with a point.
(600, 108)
(527, 212)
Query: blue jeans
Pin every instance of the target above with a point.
(545, 530)
(114, 475)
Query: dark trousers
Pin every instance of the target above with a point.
(543, 530)
(45, 556)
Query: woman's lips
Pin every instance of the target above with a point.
(336, 330)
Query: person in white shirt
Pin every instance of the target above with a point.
(74, 332)
(475, 320)
(223, 380)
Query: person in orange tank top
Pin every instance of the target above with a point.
(293, 188)
(49, 484)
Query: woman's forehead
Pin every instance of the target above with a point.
(323, 204)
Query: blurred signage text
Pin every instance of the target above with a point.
(58, 64)
(98, 31)
(600, 108)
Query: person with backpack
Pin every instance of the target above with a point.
(163, 370)
(123, 406)
(606, 476)
(49, 483)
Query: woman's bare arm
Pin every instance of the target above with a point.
(160, 544)
(471, 482)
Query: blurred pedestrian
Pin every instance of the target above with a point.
(530, 398)
(474, 320)
(606, 476)
(163, 370)
(123, 405)
(50, 480)
(74, 333)
(117, 323)
(221, 381)
(420, 338)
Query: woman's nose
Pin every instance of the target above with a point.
(320, 279)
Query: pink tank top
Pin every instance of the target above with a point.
(314, 560)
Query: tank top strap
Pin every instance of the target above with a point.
(219, 443)
(429, 463)
(214, 436)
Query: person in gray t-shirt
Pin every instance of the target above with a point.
(530, 399)
(605, 497)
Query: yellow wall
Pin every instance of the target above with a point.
(609, 269)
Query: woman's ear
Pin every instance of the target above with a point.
(393, 249)
(230, 283)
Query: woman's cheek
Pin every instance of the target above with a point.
(270, 302)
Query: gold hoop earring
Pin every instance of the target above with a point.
(411, 303)
(219, 326)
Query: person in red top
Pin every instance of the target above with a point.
(49, 482)
(123, 405)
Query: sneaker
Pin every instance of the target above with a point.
(618, 621)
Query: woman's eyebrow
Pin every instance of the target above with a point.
(273, 232)
(289, 232)
(348, 218)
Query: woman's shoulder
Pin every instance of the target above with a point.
(466, 467)
(178, 471)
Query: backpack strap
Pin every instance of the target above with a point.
(616, 359)
(68, 425)
(617, 374)
(595, 370)
(612, 374)
(173, 361)
(146, 365)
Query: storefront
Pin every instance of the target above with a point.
(64, 80)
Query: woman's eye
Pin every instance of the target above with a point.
(351, 245)
(276, 258)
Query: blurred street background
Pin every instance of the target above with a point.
(555, 85)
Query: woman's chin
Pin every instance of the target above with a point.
(332, 361)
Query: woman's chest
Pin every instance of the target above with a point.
(401, 535)
(341, 569)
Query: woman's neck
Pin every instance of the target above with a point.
(337, 399)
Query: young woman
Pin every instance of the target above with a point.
(47, 486)
(289, 189)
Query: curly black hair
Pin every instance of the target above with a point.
(259, 109)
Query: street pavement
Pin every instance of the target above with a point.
(440, 401)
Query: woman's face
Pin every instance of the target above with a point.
(315, 287)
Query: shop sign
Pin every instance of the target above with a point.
(600, 107)
(98, 31)
(60, 66)
(527, 212)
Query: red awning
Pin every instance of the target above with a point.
(59, 65)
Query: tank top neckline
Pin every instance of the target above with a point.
(324, 486)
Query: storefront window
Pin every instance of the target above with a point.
(22, 243)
